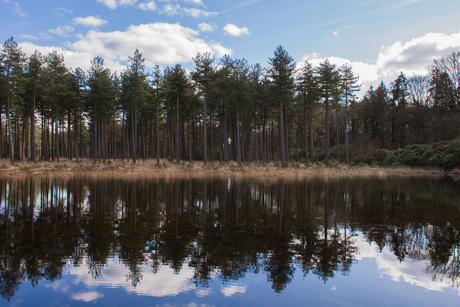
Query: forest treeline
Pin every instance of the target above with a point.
(225, 110)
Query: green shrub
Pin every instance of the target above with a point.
(451, 161)
(333, 162)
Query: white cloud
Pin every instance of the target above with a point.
(17, 8)
(73, 59)
(90, 21)
(113, 4)
(176, 9)
(62, 10)
(88, 296)
(335, 33)
(234, 30)
(198, 2)
(35, 37)
(415, 56)
(148, 6)
(205, 27)
(231, 290)
(160, 43)
(62, 30)
(412, 58)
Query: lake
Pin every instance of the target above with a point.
(227, 241)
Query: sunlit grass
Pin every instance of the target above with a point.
(165, 168)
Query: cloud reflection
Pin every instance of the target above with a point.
(408, 271)
(161, 284)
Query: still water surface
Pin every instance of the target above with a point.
(360, 241)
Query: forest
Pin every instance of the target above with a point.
(226, 110)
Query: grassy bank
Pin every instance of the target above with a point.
(149, 168)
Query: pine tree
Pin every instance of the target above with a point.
(349, 84)
(34, 75)
(329, 79)
(308, 92)
(202, 76)
(12, 69)
(177, 91)
(134, 91)
(281, 73)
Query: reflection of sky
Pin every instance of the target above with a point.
(115, 275)
(78, 284)
(410, 271)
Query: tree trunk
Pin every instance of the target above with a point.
(238, 153)
(205, 148)
(57, 130)
(225, 136)
(338, 141)
(135, 134)
(327, 131)
(76, 136)
(158, 137)
(177, 131)
(346, 129)
(69, 137)
(281, 132)
(8, 123)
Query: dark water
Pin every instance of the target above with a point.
(392, 241)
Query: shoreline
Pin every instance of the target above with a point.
(150, 169)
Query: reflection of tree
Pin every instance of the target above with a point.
(99, 227)
(279, 265)
(133, 234)
(445, 255)
(36, 246)
(179, 229)
(223, 228)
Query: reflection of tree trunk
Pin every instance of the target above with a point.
(237, 202)
(176, 204)
(224, 201)
(281, 208)
(32, 209)
(7, 213)
(134, 203)
(326, 213)
(204, 206)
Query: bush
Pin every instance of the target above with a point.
(333, 162)
(319, 163)
(381, 156)
(197, 156)
(451, 161)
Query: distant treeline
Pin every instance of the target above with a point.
(222, 110)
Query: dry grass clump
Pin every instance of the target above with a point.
(150, 168)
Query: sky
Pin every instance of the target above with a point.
(380, 39)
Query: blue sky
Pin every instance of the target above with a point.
(378, 38)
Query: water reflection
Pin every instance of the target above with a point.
(165, 237)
